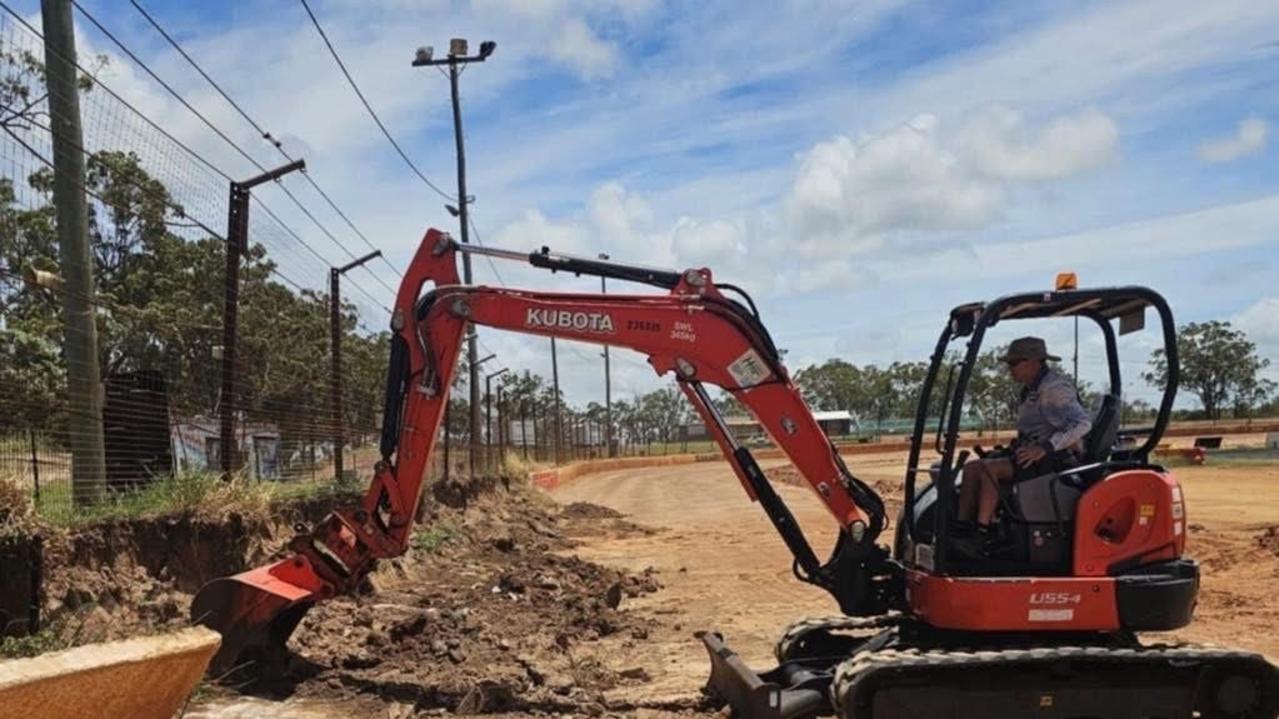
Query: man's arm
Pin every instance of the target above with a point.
(1061, 407)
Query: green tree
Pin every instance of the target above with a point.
(992, 393)
(833, 385)
(665, 411)
(33, 381)
(1219, 365)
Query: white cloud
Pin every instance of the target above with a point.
(617, 214)
(852, 196)
(1216, 229)
(1249, 139)
(901, 179)
(1261, 323)
(577, 46)
(1000, 144)
(716, 243)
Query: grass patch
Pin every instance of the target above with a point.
(516, 465)
(63, 633)
(1243, 456)
(203, 494)
(199, 493)
(430, 539)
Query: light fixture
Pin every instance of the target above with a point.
(486, 48)
(424, 54)
(457, 47)
(452, 210)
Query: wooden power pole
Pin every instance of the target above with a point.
(84, 381)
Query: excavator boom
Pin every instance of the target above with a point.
(694, 331)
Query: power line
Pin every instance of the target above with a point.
(279, 146)
(333, 51)
(480, 242)
(216, 130)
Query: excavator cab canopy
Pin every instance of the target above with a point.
(1115, 311)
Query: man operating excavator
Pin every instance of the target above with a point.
(1051, 421)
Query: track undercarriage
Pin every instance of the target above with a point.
(888, 667)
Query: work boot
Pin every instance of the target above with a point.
(966, 547)
(969, 546)
(998, 545)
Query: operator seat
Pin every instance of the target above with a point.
(1052, 497)
(1100, 440)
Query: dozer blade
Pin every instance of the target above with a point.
(256, 611)
(787, 692)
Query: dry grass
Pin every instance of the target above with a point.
(15, 504)
(201, 494)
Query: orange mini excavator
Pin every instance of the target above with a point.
(1046, 630)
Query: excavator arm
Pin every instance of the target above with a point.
(694, 332)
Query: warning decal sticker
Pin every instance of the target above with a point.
(749, 369)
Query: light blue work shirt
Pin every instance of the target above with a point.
(1051, 413)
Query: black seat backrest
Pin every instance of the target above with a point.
(1105, 430)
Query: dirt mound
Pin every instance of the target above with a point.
(1268, 539)
(586, 510)
(486, 613)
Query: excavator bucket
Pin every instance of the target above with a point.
(256, 611)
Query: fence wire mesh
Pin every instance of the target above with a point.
(157, 226)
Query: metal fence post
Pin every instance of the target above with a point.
(35, 465)
(236, 243)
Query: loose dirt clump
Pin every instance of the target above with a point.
(586, 510)
(889, 491)
(487, 613)
(1268, 539)
(585, 520)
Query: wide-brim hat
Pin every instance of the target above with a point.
(1028, 348)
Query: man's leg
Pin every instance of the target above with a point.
(974, 475)
(995, 471)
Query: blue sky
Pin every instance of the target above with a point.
(860, 167)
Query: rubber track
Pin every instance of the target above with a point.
(852, 674)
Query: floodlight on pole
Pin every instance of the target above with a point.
(457, 57)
